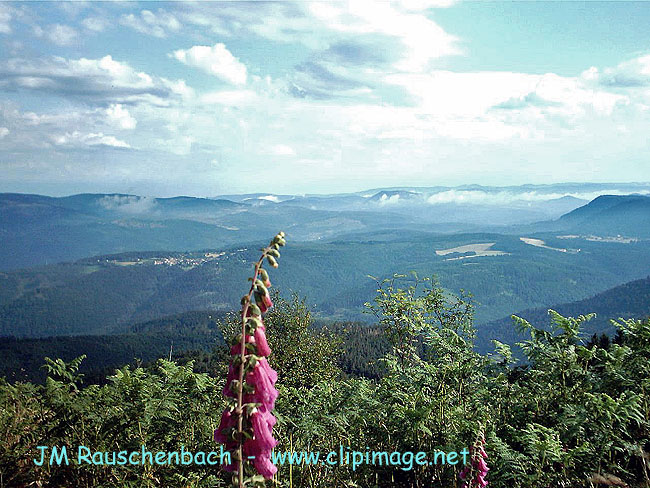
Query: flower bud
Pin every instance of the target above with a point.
(254, 322)
(259, 287)
(263, 274)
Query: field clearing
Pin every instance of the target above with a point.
(540, 243)
(592, 238)
(479, 250)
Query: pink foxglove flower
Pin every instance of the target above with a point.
(263, 301)
(262, 443)
(227, 421)
(264, 466)
(473, 475)
(246, 428)
(263, 377)
(260, 342)
(258, 339)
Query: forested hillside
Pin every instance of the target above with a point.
(625, 215)
(504, 273)
(22, 359)
(630, 300)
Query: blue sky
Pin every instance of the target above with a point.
(206, 98)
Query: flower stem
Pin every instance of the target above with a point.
(240, 393)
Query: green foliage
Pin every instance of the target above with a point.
(572, 410)
(162, 407)
(301, 354)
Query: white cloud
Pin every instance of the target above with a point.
(154, 24)
(422, 39)
(128, 204)
(463, 94)
(351, 45)
(4, 132)
(95, 24)
(389, 200)
(61, 35)
(74, 8)
(178, 144)
(497, 105)
(180, 88)
(269, 198)
(6, 14)
(506, 197)
(230, 98)
(426, 4)
(104, 79)
(628, 74)
(318, 25)
(120, 117)
(80, 139)
(69, 129)
(215, 60)
(282, 150)
(572, 96)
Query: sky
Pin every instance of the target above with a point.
(208, 98)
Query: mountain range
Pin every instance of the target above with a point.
(36, 229)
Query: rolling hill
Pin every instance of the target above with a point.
(22, 358)
(604, 216)
(627, 215)
(629, 300)
(105, 294)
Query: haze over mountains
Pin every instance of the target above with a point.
(38, 229)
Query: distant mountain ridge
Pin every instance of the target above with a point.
(619, 214)
(629, 300)
(37, 229)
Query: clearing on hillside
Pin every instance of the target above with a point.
(478, 250)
